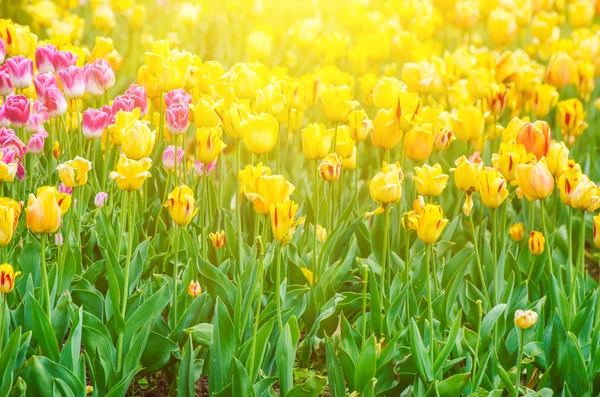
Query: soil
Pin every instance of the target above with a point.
(160, 387)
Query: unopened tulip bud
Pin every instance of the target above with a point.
(330, 167)
(100, 199)
(168, 157)
(517, 231)
(56, 150)
(536, 243)
(200, 169)
(35, 144)
(525, 319)
(194, 289)
(218, 239)
(321, 233)
(7, 278)
(58, 239)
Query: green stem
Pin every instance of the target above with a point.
(315, 270)
(484, 286)
(356, 177)
(2, 321)
(175, 276)
(238, 214)
(386, 222)
(476, 355)
(495, 253)
(429, 302)
(521, 333)
(277, 253)
(43, 238)
(160, 207)
(365, 283)
(549, 251)
(257, 317)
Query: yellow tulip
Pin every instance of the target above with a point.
(217, 239)
(267, 190)
(535, 180)
(406, 111)
(260, 133)
(586, 196)
(430, 181)
(7, 278)
(181, 204)
(536, 243)
(131, 174)
(316, 141)
(465, 174)
(338, 103)
(509, 156)
(360, 125)
(344, 144)
(321, 233)
(477, 82)
(122, 121)
(418, 143)
(535, 137)
(386, 132)
(249, 175)
(492, 187)
(283, 221)
(8, 171)
(525, 319)
(207, 113)
(7, 222)
(507, 67)
(597, 231)
(330, 167)
(209, 144)
(502, 26)
(386, 186)
(561, 70)
(43, 212)
(558, 157)
(570, 177)
(386, 92)
(580, 13)
(467, 123)
(74, 172)
(431, 223)
(545, 98)
(585, 81)
(138, 140)
(517, 231)
(194, 289)
(571, 118)
(233, 119)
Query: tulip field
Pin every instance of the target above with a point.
(262, 198)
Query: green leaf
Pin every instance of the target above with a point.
(202, 334)
(43, 331)
(366, 364)
(453, 386)
(241, 385)
(335, 376)
(70, 354)
(222, 348)
(422, 360)
(576, 378)
(488, 322)
(284, 359)
(310, 388)
(217, 283)
(40, 372)
(186, 381)
(451, 340)
(135, 351)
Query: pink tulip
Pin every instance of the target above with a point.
(55, 101)
(38, 116)
(59, 239)
(4, 121)
(36, 144)
(6, 86)
(98, 77)
(20, 70)
(62, 188)
(177, 119)
(100, 199)
(10, 141)
(125, 103)
(42, 82)
(168, 157)
(139, 96)
(200, 169)
(2, 51)
(177, 96)
(94, 123)
(72, 81)
(43, 58)
(63, 59)
(17, 109)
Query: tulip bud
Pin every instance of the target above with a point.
(330, 167)
(58, 239)
(20, 70)
(218, 239)
(168, 157)
(35, 144)
(194, 289)
(94, 123)
(100, 199)
(431, 223)
(561, 70)
(536, 243)
(430, 181)
(321, 233)
(7, 278)
(597, 231)
(517, 231)
(360, 125)
(56, 150)
(200, 169)
(525, 319)
(316, 141)
(535, 181)
(181, 204)
(492, 187)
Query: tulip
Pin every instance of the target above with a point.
(536, 138)
(344, 144)
(217, 239)
(267, 190)
(139, 96)
(545, 97)
(7, 221)
(6, 86)
(467, 123)
(36, 144)
(561, 70)
(181, 204)
(430, 181)
(8, 166)
(17, 109)
(585, 80)
(418, 143)
(386, 92)
(535, 181)
(406, 110)
(525, 319)
(507, 66)
(465, 174)
(121, 122)
(321, 233)
(260, 133)
(492, 187)
(442, 139)
(586, 196)
(570, 177)
(138, 140)
(123, 103)
(477, 83)
(177, 119)
(209, 144)
(43, 212)
(63, 60)
(337, 103)
(74, 172)
(249, 175)
(37, 117)
(517, 231)
(316, 141)
(99, 77)
(43, 58)
(360, 125)
(386, 186)
(20, 70)
(55, 102)
(509, 156)
(7, 278)
(42, 82)
(2, 51)
(245, 83)
(194, 289)
(94, 123)
(536, 243)
(131, 174)
(100, 199)
(330, 167)
(431, 223)
(233, 119)
(168, 157)
(597, 231)
(502, 26)
(496, 98)
(558, 157)
(386, 133)
(571, 118)
(200, 169)
(283, 223)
